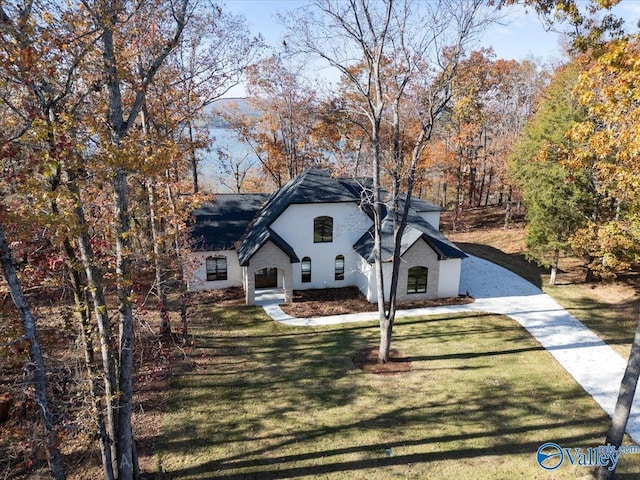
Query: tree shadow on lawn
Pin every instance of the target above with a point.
(615, 323)
(383, 453)
(293, 404)
(266, 463)
(245, 366)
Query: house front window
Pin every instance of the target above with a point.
(322, 229)
(417, 280)
(340, 267)
(306, 269)
(216, 268)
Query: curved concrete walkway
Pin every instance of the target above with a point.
(594, 365)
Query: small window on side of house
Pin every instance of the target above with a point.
(216, 268)
(340, 267)
(306, 270)
(417, 280)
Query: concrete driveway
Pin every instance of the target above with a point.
(594, 365)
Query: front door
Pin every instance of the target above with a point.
(267, 278)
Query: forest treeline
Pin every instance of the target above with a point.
(103, 127)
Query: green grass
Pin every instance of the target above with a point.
(612, 313)
(256, 399)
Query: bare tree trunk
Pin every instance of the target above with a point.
(39, 376)
(488, 191)
(119, 129)
(106, 432)
(161, 289)
(386, 328)
(157, 247)
(623, 404)
(589, 275)
(96, 288)
(368, 25)
(554, 267)
(459, 196)
(387, 316)
(194, 159)
(472, 184)
(459, 176)
(482, 185)
(383, 353)
(83, 314)
(356, 171)
(180, 267)
(507, 212)
(123, 275)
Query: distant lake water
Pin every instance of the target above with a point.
(227, 141)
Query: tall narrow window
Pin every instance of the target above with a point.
(322, 229)
(340, 267)
(216, 268)
(417, 280)
(306, 269)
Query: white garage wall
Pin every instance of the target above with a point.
(449, 281)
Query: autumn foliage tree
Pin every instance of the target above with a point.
(606, 143)
(491, 100)
(40, 57)
(94, 170)
(572, 179)
(398, 59)
(280, 127)
(559, 200)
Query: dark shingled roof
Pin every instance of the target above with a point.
(419, 205)
(314, 185)
(244, 221)
(219, 225)
(417, 227)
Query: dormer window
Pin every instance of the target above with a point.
(322, 229)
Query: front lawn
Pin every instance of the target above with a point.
(256, 399)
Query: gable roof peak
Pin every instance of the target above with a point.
(314, 185)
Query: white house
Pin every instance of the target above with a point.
(315, 232)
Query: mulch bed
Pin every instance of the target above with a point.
(224, 297)
(340, 301)
(367, 361)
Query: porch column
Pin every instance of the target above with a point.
(287, 283)
(250, 287)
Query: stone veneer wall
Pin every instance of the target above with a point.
(419, 254)
(269, 256)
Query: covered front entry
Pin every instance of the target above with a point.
(269, 268)
(266, 278)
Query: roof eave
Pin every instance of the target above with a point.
(278, 241)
